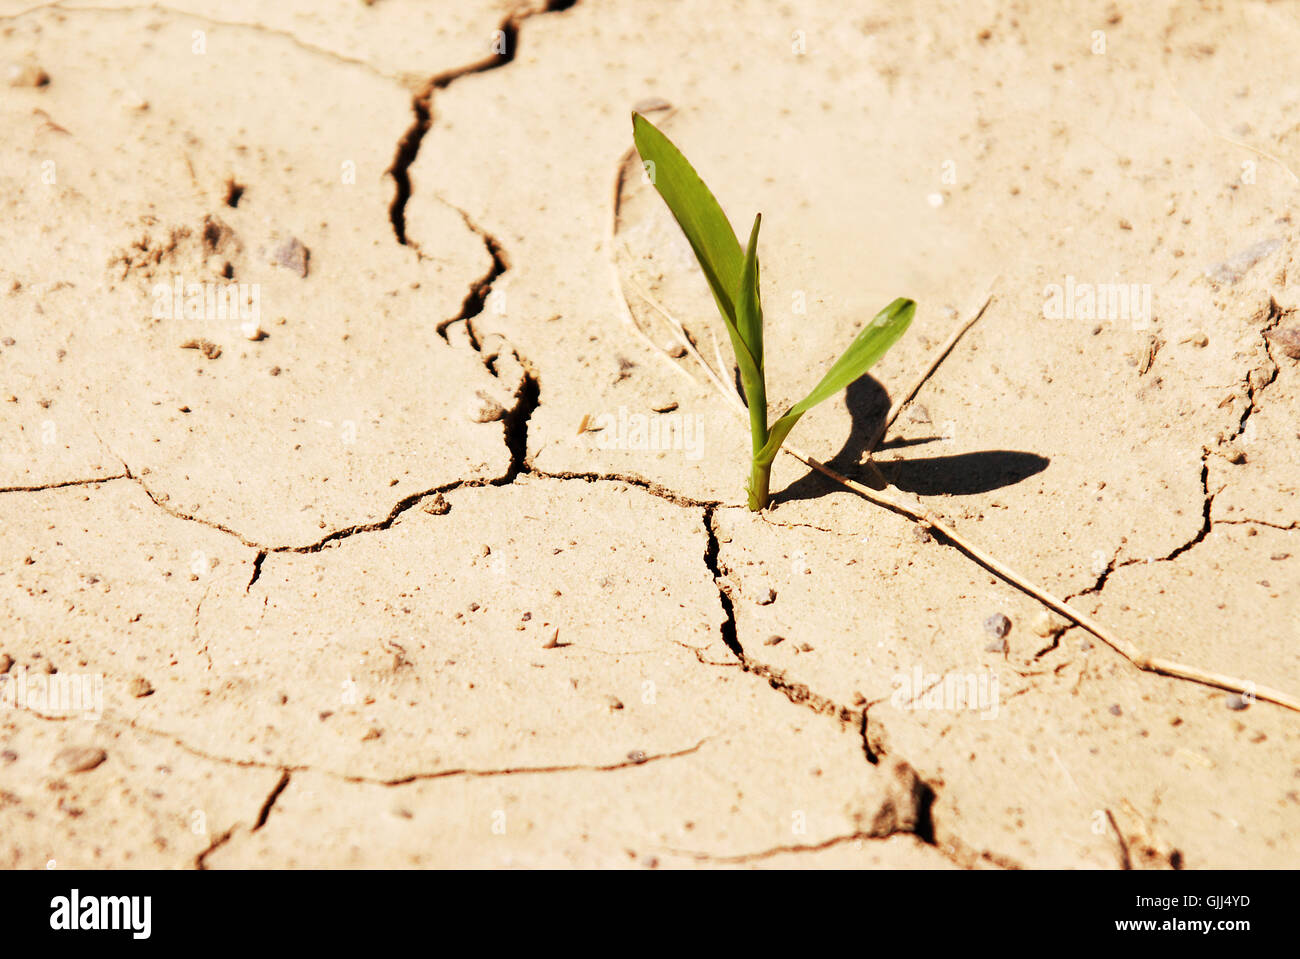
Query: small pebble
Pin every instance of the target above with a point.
(27, 75)
(484, 409)
(1275, 556)
(1200, 339)
(209, 349)
(1286, 339)
(1044, 624)
(436, 505)
(79, 759)
(637, 756)
(1232, 270)
(768, 598)
(6, 662)
(997, 625)
(773, 640)
(292, 255)
(921, 534)
(1115, 710)
(997, 646)
(1237, 702)
(139, 687)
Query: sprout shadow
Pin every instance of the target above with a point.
(961, 474)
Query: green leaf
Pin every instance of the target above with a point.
(749, 323)
(749, 305)
(707, 229)
(867, 347)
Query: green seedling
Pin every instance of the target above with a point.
(732, 274)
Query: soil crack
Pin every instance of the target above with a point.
(408, 147)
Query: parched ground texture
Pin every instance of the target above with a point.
(432, 549)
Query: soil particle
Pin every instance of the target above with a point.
(1233, 269)
(1146, 356)
(139, 687)
(767, 599)
(1045, 624)
(1234, 454)
(1286, 339)
(217, 236)
(292, 255)
(907, 806)
(1236, 702)
(26, 75)
(79, 759)
(997, 625)
(484, 409)
(210, 350)
(437, 505)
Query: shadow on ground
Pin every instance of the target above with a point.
(961, 474)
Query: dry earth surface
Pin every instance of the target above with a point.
(437, 554)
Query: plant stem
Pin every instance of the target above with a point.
(759, 475)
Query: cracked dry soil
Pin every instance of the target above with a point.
(347, 578)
